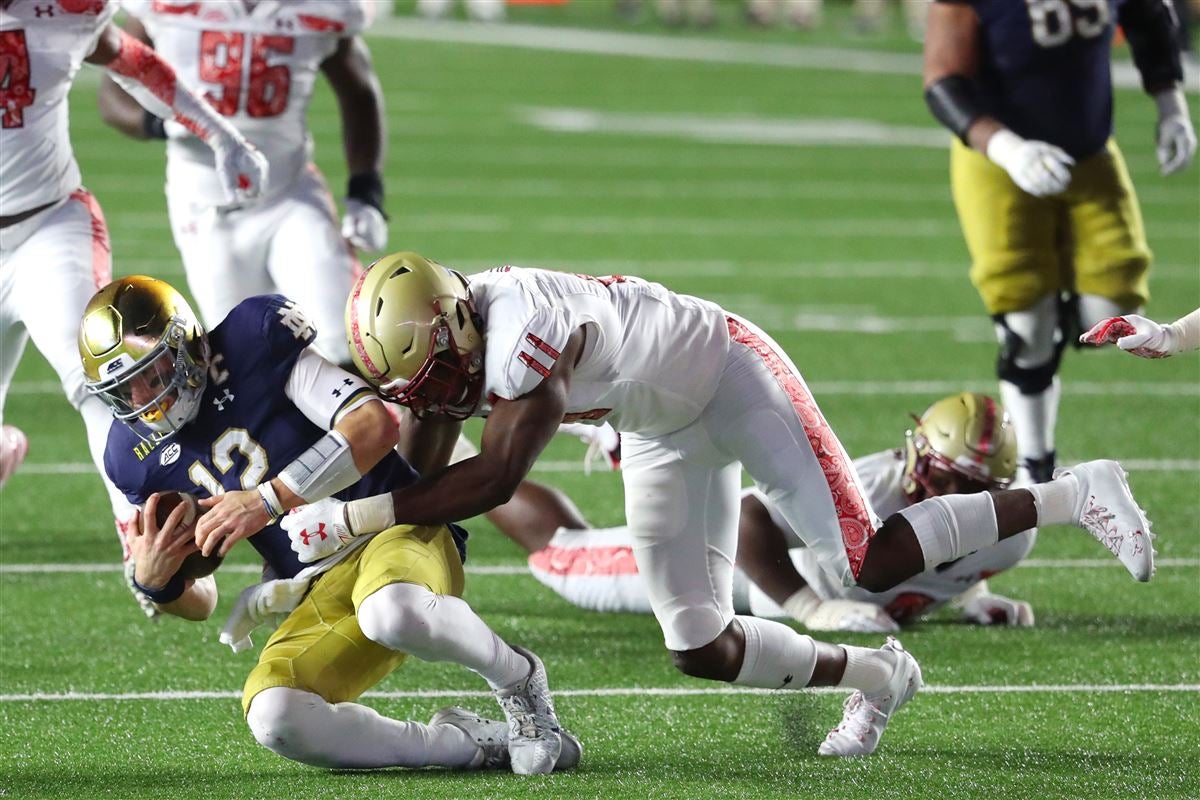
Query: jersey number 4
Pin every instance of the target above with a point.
(222, 56)
(15, 92)
(1056, 21)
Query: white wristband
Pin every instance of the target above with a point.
(370, 515)
(271, 499)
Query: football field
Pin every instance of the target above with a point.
(808, 192)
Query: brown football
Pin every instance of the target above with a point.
(194, 565)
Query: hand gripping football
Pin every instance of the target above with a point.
(194, 565)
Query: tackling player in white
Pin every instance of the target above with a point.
(258, 64)
(698, 394)
(961, 444)
(54, 246)
(1146, 338)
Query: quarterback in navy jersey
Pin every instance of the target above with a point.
(254, 418)
(245, 423)
(1043, 196)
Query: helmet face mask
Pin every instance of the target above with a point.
(144, 354)
(415, 335)
(960, 445)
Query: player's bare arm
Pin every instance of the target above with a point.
(427, 444)
(360, 104)
(158, 553)
(514, 436)
(117, 108)
(952, 52)
(356, 443)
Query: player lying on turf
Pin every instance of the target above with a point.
(219, 414)
(697, 394)
(961, 444)
(1146, 338)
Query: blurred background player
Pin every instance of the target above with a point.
(272, 425)
(257, 63)
(961, 444)
(1045, 201)
(870, 16)
(478, 10)
(1146, 338)
(54, 247)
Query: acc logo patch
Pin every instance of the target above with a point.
(170, 454)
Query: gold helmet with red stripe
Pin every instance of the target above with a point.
(415, 335)
(960, 444)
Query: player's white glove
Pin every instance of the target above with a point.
(267, 602)
(364, 226)
(1039, 168)
(993, 609)
(317, 530)
(1142, 337)
(807, 608)
(241, 169)
(1175, 136)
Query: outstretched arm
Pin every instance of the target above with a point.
(118, 109)
(152, 82)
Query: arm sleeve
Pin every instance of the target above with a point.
(323, 391)
(1187, 332)
(1151, 28)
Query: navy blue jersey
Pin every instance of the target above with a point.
(247, 430)
(1045, 69)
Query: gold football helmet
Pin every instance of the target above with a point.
(144, 353)
(963, 443)
(415, 335)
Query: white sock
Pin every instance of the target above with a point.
(867, 670)
(302, 726)
(953, 526)
(433, 627)
(776, 656)
(1055, 501)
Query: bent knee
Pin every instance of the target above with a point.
(282, 720)
(398, 616)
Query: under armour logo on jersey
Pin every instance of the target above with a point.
(319, 532)
(345, 382)
(43, 11)
(220, 402)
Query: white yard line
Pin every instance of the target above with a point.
(618, 691)
(672, 48)
(521, 569)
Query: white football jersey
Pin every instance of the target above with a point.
(882, 476)
(42, 45)
(257, 64)
(651, 361)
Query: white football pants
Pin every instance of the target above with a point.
(682, 488)
(50, 266)
(289, 242)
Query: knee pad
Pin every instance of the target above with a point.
(395, 617)
(1032, 342)
(278, 718)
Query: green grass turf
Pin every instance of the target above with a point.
(782, 234)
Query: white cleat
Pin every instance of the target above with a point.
(534, 735)
(866, 715)
(13, 449)
(1106, 509)
(491, 736)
